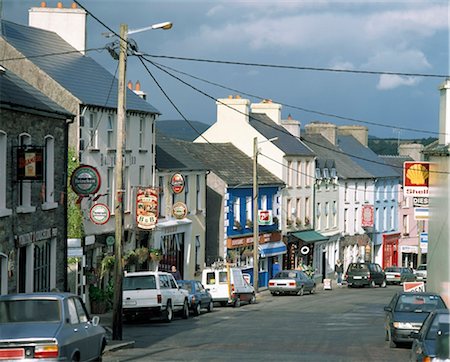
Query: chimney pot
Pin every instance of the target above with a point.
(43, 4)
(74, 5)
(130, 85)
(59, 5)
(138, 86)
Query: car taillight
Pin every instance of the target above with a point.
(271, 284)
(397, 275)
(292, 284)
(47, 351)
(159, 298)
(426, 359)
(232, 287)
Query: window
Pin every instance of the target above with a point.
(248, 208)
(405, 226)
(299, 209)
(289, 212)
(289, 173)
(93, 130)
(110, 132)
(356, 192)
(346, 192)
(264, 202)
(318, 216)
(327, 215)
(307, 210)
(126, 189)
(186, 191)
(142, 180)
(42, 254)
(346, 221)
(384, 219)
(335, 214)
(365, 191)
(49, 201)
(3, 172)
(198, 192)
(161, 201)
(355, 220)
(300, 173)
(110, 188)
(392, 218)
(128, 133)
(142, 133)
(24, 195)
(237, 213)
(306, 174)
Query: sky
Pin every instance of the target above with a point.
(403, 36)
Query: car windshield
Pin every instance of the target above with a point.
(441, 323)
(139, 282)
(414, 302)
(34, 310)
(358, 267)
(186, 286)
(392, 269)
(285, 274)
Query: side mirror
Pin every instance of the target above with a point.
(95, 320)
(387, 309)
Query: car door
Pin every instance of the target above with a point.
(77, 334)
(177, 296)
(201, 292)
(93, 335)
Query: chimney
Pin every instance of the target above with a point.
(413, 150)
(327, 130)
(444, 113)
(361, 133)
(232, 111)
(69, 23)
(292, 126)
(272, 110)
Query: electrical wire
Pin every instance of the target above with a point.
(51, 54)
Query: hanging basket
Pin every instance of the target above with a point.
(155, 255)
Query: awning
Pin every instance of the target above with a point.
(310, 236)
(272, 248)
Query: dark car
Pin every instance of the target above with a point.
(432, 341)
(199, 297)
(406, 313)
(48, 326)
(399, 275)
(291, 282)
(365, 274)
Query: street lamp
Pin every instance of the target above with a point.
(255, 212)
(121, 113)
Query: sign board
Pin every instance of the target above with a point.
(99, 214)
(146, 208)
(415, 178)
(420, 201)
(413, 286)
(265, 217)
(327, 284)
(177, 183)
(421, 213)
(179, 210)
(85, 180)
(30, 163)
(367, 216)
(110, 240)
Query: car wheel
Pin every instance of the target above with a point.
(301, 291)
(185, 313)
(75, 357)
(313, 290)
(237, 303)
(197, 309)
(210, 306)
(273, 293)
(383, 284)
(168, 313)
(252, 299)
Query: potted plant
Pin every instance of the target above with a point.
(249, 224)
(142, 254)
(155, 255)
(101, 299)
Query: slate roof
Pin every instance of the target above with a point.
(79, 74)
(225, 160)
(346, 168)
(365, 157)
(16, 93)
(286, 142)
(397, 162)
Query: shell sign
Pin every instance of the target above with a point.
(415, 178)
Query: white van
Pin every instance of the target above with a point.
(228, 286)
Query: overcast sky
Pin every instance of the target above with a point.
(403, 36)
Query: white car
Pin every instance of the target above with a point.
(421, 272)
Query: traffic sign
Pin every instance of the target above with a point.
(413, 286)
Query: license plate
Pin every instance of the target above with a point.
(129, 302)
(389, 276)
(357, 277)
(12, 353)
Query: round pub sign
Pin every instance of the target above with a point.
(177, 183)
(99, 214)
(179, 210)
(85, 180)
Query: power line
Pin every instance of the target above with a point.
(50, 54)
(294, 67)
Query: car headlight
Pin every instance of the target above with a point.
(403, 325)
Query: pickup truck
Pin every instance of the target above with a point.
(153, 294)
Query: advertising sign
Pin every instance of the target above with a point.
(367, 216)
(179, 210)
(421, 201)
(99, 214)
(415, 178)
(421, 213)
(265, 217)
(146, 208)
(177, 183)
(30, 163)
(413, 286)
(85, 180)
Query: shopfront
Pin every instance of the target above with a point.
(301, 249)
(390, 250)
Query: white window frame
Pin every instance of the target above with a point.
(248, 208)
(289, 173)
(141, 133)
(198, 192)
(236, 211)
(49, 202)
(93, 130)
(3, 172)
(126, 189)
(24, 195)
(110, 139)
(161, 197)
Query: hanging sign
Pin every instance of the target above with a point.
(367, 216)
(177, 183)
(146, 208)
(179, 210)
(85, 180)
(99, 214)
(265, 217)
(30, 165)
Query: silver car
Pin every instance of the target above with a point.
(48, 326)
(291, 282)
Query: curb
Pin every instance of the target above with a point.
(116, 345)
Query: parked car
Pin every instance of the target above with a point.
(398, 275)
(291, 282)
(406, 313)
(365, 274)
(49, 326)
(432, 341)
(421, 272)
(153, 294)
(199, 296)
(228, 286)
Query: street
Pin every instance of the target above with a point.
(343, 324)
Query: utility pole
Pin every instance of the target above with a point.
(255, 216)
(121, 111)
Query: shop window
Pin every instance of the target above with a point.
(42, 255)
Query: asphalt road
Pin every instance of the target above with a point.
(343, 324)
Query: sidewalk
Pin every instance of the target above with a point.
(106, 321)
